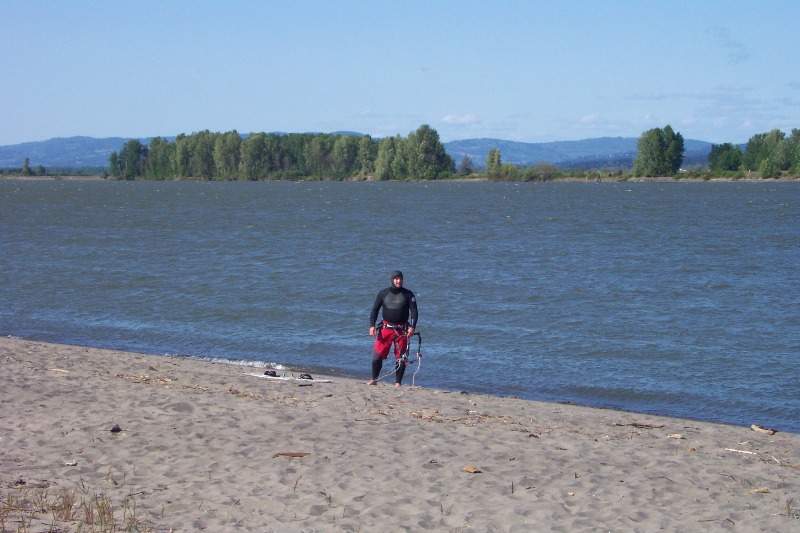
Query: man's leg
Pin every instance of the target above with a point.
(400, 347)
(377, 364)
(380, 350)
(398, 372)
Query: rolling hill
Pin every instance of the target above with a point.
(598, 153)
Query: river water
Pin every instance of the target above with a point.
(669, 298)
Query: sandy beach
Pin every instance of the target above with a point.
(153, 443)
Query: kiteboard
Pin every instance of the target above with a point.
(308, 379)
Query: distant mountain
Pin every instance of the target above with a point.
(599, 153)
(62, 152)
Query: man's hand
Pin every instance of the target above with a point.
(372, 331)
(410, 332)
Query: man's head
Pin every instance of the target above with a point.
(397, 278)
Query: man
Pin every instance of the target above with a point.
(399, 319)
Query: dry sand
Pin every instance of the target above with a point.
(202, 446)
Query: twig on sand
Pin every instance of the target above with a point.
(716, 519)
(640, 425)
(740, 451)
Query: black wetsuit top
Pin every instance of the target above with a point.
(399, 306)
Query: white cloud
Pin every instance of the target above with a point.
(460, 120)
(591, 119)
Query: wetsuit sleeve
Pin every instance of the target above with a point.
(373, 316)
(412, 309)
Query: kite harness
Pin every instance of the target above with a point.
(404, 360)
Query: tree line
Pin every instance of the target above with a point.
(770, 154)
(421, 155)
(660, 153)
(263, 156)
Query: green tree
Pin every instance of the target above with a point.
(768, 168)
(675, 149)
(183, 156)
(493, 162)
(319, 155)
(291, 152)
(754, 152)
(202, 155)
(253, 157)
(367, 153)
(113, 164)
(227, 151)
(795, 166)
(759, 148)
(345, 154)
(782, 154)
(160, 163)
(509, 172)
(401, 168)
(724, 157)
(132, 160)
(427, 157)
(660, 153)
(385, 159)
(26, 167)
(651, 154)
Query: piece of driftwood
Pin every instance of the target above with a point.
(762, 429)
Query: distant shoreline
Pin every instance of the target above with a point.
(53, 178)
(663, 179)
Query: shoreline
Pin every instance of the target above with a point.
(201, 445)
(254, 365)
(663, 179)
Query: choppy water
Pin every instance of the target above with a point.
(669, 298)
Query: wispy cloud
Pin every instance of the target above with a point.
(594, 118)
(595, 122)
(728, 93)
(737, 53)
(651, 96)
(460, 120)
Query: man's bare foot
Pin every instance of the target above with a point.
(397, 385)
(372, 382)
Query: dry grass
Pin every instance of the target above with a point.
(29, 509)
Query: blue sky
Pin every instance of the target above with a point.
(533, 71)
